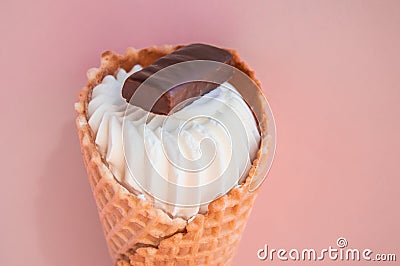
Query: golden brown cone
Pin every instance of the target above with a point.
(136, 232)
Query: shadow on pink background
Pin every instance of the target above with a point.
(330, 70)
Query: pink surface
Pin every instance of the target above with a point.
(330, 70)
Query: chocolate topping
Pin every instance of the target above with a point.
(176, 85)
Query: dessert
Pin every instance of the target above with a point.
(165, 196)
(173, 96)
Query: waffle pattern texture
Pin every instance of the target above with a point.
(138, 233)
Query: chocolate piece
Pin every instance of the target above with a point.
(177, 85)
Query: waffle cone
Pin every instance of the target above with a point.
(138, 233)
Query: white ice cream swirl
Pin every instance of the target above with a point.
(213, 140)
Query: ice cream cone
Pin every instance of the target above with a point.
(138, 233)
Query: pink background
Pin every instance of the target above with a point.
(330, 69)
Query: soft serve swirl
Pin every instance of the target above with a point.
(138, 144)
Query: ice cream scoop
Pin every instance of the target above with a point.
(150, 152)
